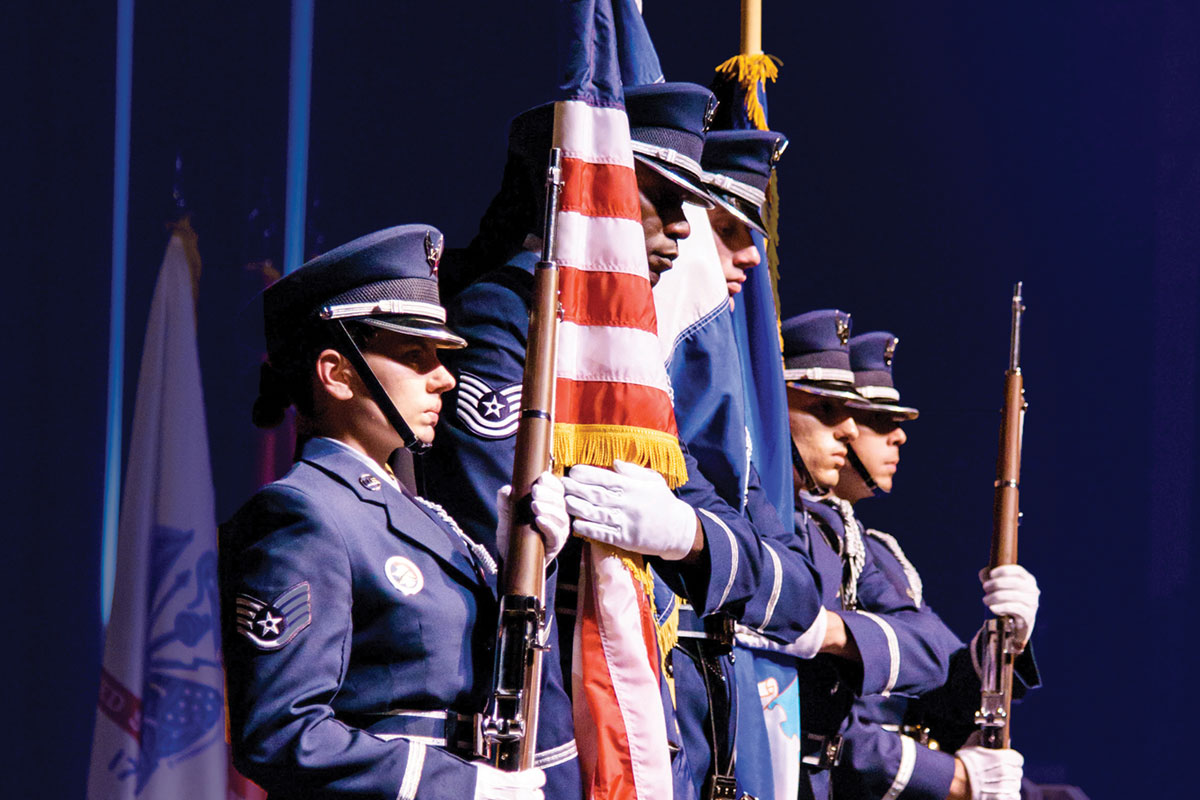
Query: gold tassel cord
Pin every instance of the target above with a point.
(749, 71)
(602, 444)
(668, 637)
(772, 223)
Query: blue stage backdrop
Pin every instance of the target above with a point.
(938, 154)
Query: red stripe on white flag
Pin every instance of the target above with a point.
(627, 404)
(606, 298)
(599, 190)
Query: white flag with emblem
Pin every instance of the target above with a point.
(160, 728)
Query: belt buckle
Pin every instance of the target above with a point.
(719, 628)
(828, 751)
(720, 787)
(481, 747)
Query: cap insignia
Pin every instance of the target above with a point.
(889, 352)
(433, 251)
(781, 144)
(843, 329)
(710, 112)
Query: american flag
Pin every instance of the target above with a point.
(612, 401)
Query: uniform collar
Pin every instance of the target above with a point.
(380, 472)
(407, 518)
(825, 518)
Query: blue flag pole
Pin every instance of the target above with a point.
(299, 102)
(116, 330)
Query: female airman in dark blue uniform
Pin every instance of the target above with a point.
(359, 621)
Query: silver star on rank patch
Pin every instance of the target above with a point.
(278, 621)
(269, 623)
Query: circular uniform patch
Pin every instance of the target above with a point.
(404, 575)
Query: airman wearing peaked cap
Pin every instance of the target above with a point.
(358, 620)
(896, 746)
(737, 170)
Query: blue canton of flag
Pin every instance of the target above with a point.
(487, 411)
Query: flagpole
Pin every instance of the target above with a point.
(751, 27)
(299, 102)
(116, 317)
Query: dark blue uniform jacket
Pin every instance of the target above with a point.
(877, 760)
(344, 598)
(752, 567)
(903, 651)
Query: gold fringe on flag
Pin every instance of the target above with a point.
(750, 71)
(600, 445)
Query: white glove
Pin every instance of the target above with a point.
(632, 508)
(492, 784)
(993, 774)
(1012, 590)
(549, 515)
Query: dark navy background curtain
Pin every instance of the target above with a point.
(939, 152)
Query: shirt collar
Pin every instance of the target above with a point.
(379, 471)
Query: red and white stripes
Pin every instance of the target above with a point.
(609, 332)
(611, 400)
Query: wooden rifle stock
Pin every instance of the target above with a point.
(999, 646)
(510, 725)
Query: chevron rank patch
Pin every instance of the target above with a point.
(272, 625)
(488, 411)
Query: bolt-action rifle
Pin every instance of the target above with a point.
(509, 726)
(1000, 648)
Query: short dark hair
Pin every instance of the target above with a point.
(286, 378)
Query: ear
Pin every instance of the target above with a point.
(334, 375)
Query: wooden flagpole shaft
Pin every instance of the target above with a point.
(751, 27)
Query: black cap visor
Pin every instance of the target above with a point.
(898, 413)
(828, 389)
(744, 210)
(420, 327)
(697, 193)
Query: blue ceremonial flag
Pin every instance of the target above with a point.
(160, 726)
(588, 29)
(770, 766)
(756, 314)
